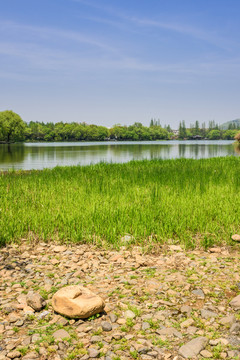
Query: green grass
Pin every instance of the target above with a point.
(184, 200)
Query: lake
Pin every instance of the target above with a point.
(29, 156)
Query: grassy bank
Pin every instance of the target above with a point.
(185, 200)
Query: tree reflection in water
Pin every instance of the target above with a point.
(47, 155)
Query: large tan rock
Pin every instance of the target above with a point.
(77, 302)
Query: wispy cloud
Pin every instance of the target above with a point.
(36, 54)
(54, 33)
(207, 36)
(48, 62)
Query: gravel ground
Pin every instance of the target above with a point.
(166, 303)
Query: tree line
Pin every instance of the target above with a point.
(13, 128)
(212, 132)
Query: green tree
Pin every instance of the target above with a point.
(182, 130)
(214, 135)
(196, 128)
(11, 127)
(229, 134)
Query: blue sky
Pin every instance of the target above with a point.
(120, 61)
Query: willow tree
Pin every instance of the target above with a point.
(11, 127)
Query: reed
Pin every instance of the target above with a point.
(183, 200)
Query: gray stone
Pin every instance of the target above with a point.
(44, 314)
(60, 334)
(193, 347)
(235, 328)
(19, 323)
(113, 318)
(207, 314)
(234, 341)
(235, 303)
(129, 314)
(169, 332)
(145, 326)
(192, 329)
(233, 354)
(228, 320)
(106, 326)
(35, 338)
(93, 353)
(198, 292)
(95, 339)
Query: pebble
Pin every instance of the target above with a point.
(106, 326)
(14, 354)
(93, 353)
(35, 301)
(206, 314)
(235, 303)
(206, 354)
(198, 292)
(193, 347)
(129, 314)
(145, 326)
(178, 295)
(60, 334)
(113, 318)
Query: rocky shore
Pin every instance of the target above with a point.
(163, 304)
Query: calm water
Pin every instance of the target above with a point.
(47, 155)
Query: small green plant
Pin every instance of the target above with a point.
(44, 294)
(129, 323)
(217, 351)
(23, 350)
(153, 324)
(50, 275)
(100, 344)
(93, 317)
(30, 317)
(134, 354)
(150, 272)
(124, 328)
(135, 310)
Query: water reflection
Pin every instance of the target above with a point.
(11, 154)
(47, 155)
